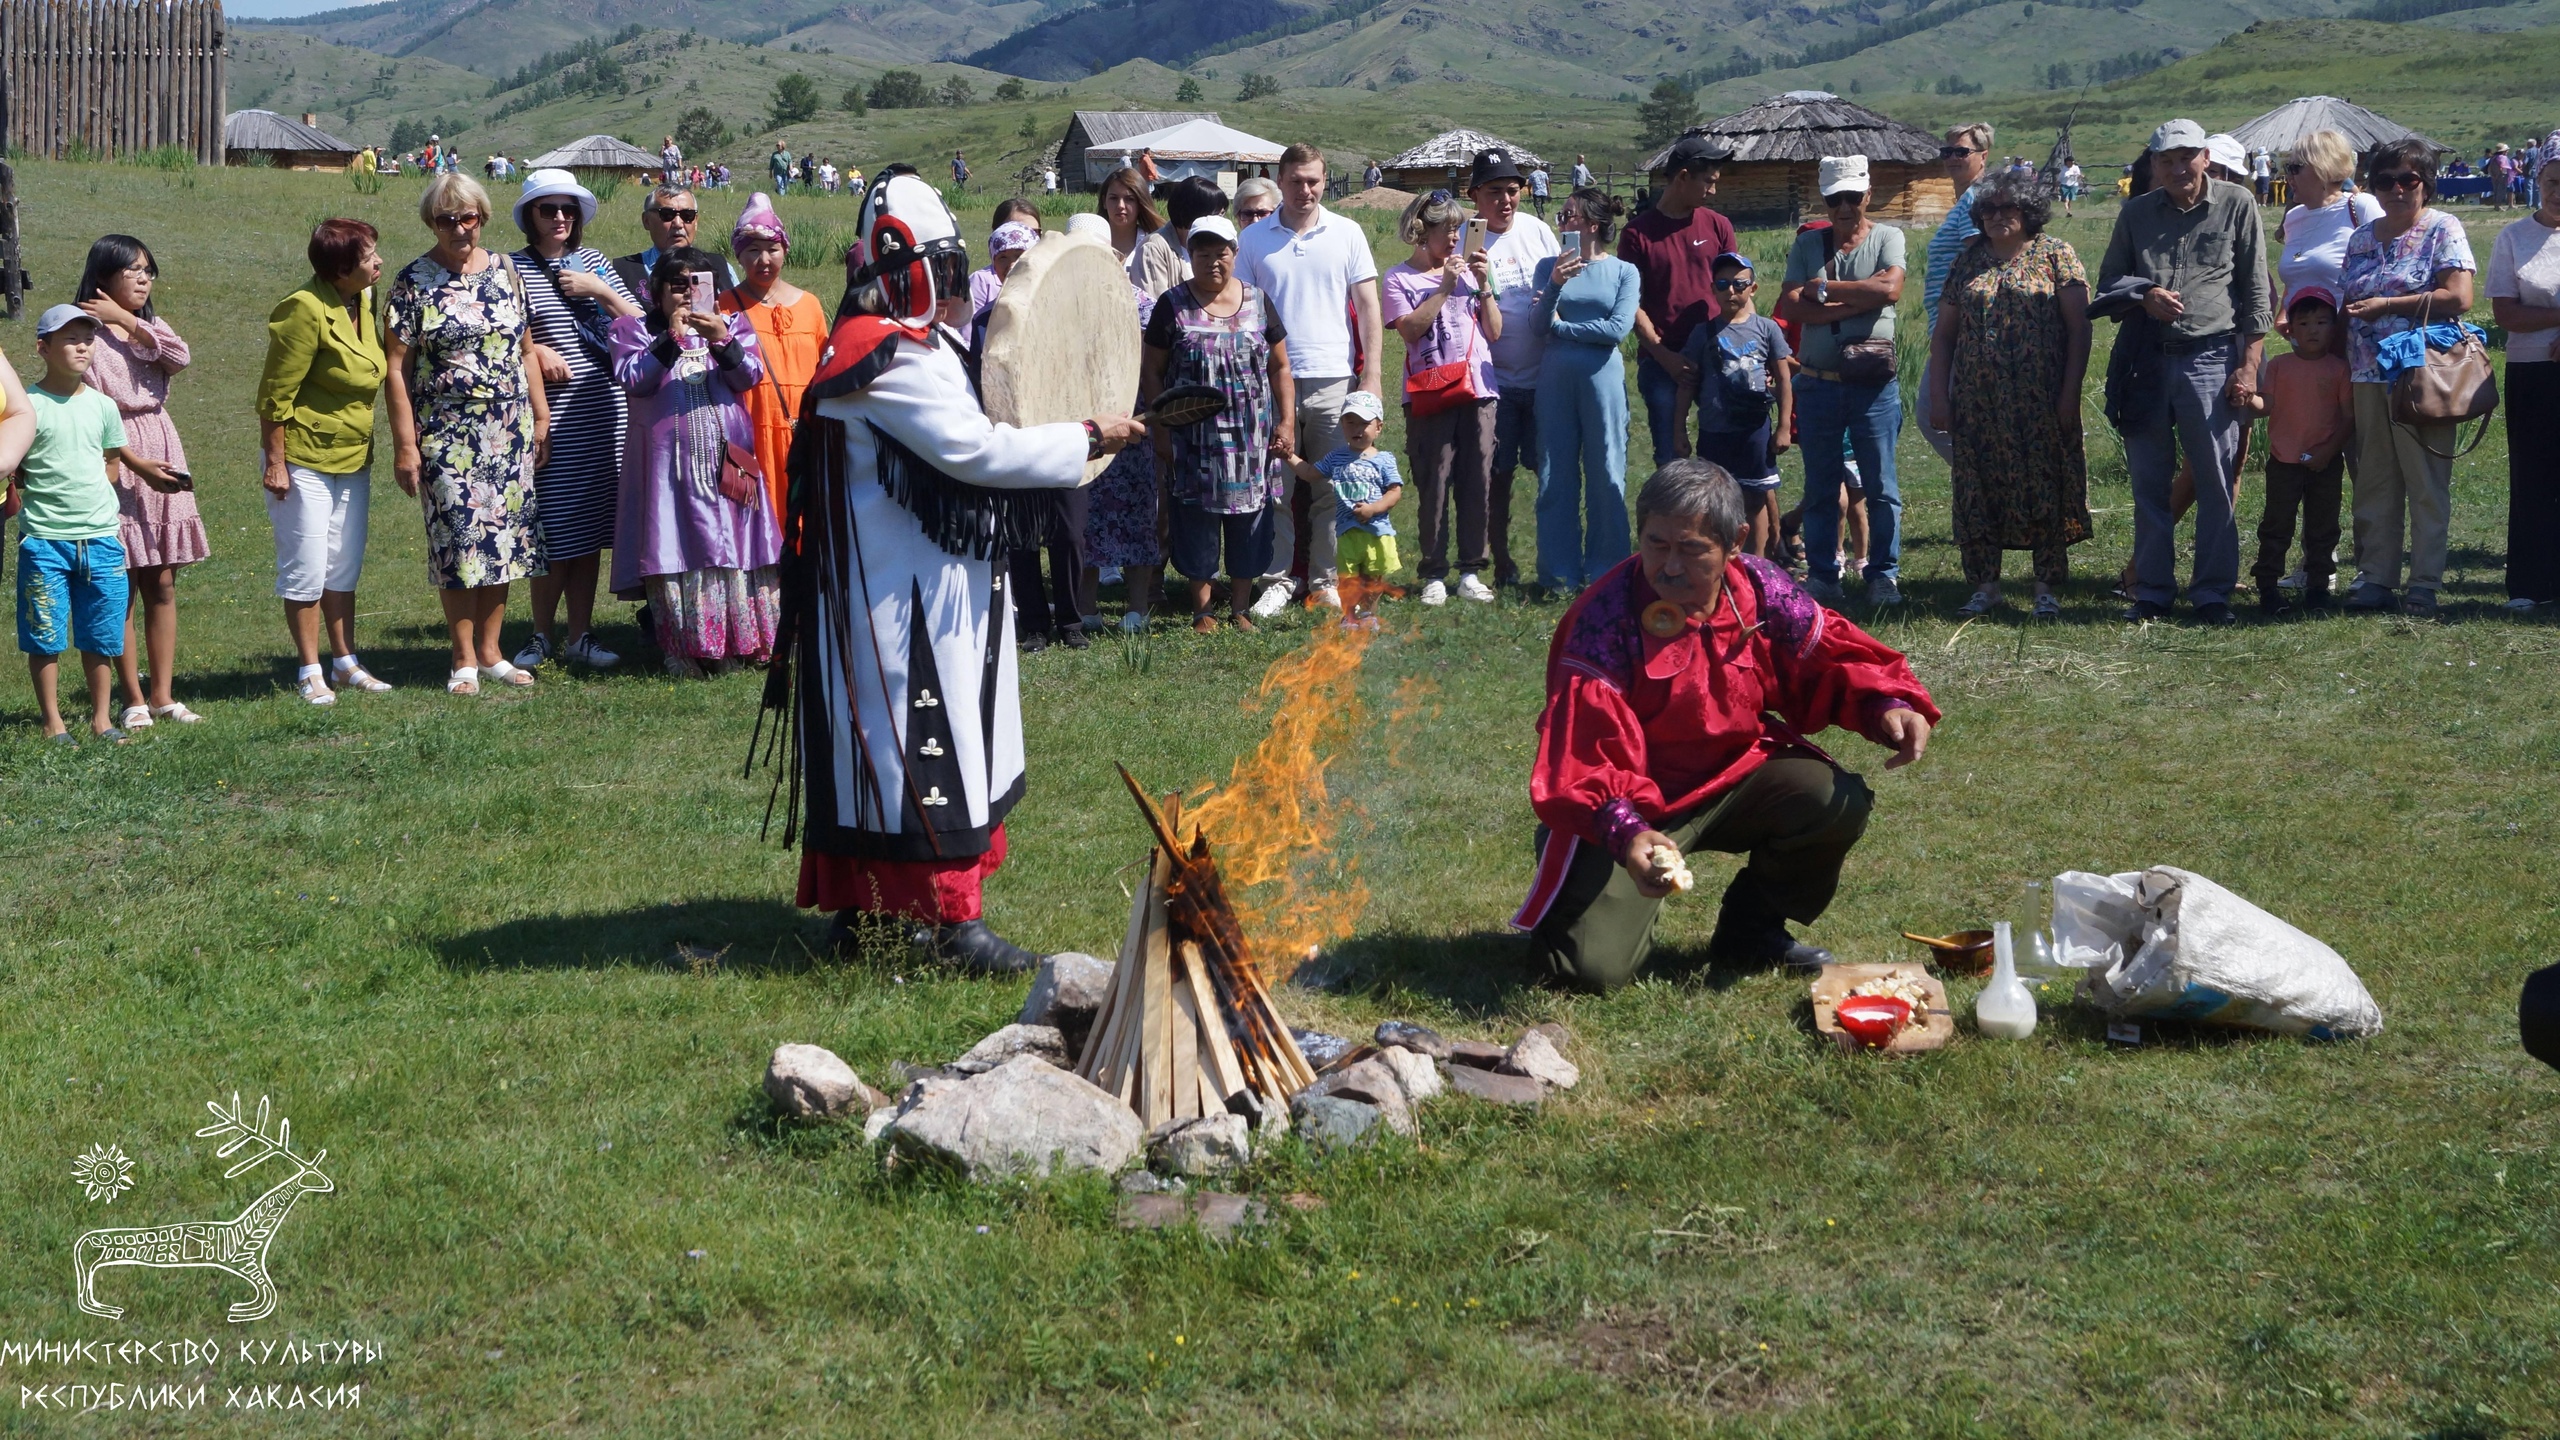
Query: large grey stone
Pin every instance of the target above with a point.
(1024, 1116)
(812, 1082)
(1065, 992)
(1042, 1042)
(876, 1124)
(1330, 1122)
(1371, 1081)
(1495, 1086)
(1421, 1039)
(1477, 1054)
(1414, 1071)
(1319, 1048)
(1214, 1145)
(1537, 1057)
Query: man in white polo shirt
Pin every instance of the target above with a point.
(1518, 242)
(1316, 268)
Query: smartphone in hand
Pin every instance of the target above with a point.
(703, 300)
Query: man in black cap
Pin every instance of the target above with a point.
(1673, 247)
(1516, 243)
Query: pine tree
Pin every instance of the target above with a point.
(1672, 109)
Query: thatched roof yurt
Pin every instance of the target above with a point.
(599, 155)
(1442, 162)
(1194, 147)
(1778, 147)
(2282, 128)
(263, 137)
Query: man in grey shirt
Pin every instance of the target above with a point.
(2199, 244)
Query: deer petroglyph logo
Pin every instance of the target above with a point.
(238, 1245)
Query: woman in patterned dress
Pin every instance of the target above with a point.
(574, 296)
(1215, 330)
(468, 424)
(136, 355)
(2007, 358)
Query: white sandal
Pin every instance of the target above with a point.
(351, 674)
(175, 710)
(316, 690)
(509, 673)
(465, 681)
(135, 717)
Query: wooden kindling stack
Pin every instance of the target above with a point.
(1188, 1029)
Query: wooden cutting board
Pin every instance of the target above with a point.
(1928, 1029)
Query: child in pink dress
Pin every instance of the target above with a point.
(161, 532)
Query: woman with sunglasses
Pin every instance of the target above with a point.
(575, 296)
(469, 424)
(1442, 306)
(2312, 241)
(2412, 266)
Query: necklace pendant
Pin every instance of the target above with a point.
(1663, 620)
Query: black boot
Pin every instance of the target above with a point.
(970, 945)
(1751, 935)
(2315, 593)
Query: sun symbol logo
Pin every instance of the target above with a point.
(103, 1172)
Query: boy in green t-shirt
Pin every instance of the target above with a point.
(71, 580)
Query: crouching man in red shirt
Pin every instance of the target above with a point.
(1680, 689)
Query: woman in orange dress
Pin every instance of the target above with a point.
(791, 328)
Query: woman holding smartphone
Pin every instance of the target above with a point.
(696, 534)
(1440, 300)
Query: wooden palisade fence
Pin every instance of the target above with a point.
(111, 78)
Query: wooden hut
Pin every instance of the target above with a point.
(1088, 128)
(263, 137)
(599, 157)
(1778, 147)
(1442, 162)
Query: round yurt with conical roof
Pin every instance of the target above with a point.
(1778, 147)
(1443, 161)
(599, 157)
(2282, 128)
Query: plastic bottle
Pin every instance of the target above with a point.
(2005, 1010)
(2037, 957)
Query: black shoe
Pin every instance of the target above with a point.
(1073, 638)
(2216, 613)
(2315, 595)
(2369, 599)
(1034, 642)
(972, 946)
(1751, 936)
(2141, 610)
(2271, 603)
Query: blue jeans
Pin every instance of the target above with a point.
(1582, 475)
(1661, 395)
(1515, 439)
(2197, 419)
(1864, 420)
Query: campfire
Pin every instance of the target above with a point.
(1187, 1029)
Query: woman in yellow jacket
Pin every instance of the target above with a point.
(315, 421)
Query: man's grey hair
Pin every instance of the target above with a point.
(1257, 188)
(1699, 490)
(664, 193)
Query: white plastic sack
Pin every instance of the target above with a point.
(2205, 955)
(2095, 917)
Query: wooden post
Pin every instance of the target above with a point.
(11, 282)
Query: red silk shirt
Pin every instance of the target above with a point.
(1667, 725)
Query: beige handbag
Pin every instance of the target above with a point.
(2455, 384)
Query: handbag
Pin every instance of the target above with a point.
(2453, 385)
(1862, 362)
(741, 476)
(1442, 388)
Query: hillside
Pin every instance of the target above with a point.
(357, 94)
(1081, 42)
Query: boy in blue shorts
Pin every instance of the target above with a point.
(1366, 486)
(71, 581)
(1745, 405)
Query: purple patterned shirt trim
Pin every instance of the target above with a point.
(1605, 643)
(1619, 822)
(1791, 618)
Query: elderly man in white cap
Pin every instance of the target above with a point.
(2195, 248)
(1842, 284)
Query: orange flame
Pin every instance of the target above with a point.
(1274, 823)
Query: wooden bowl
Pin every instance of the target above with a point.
(1966, 952)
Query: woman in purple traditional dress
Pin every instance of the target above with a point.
(705, 562)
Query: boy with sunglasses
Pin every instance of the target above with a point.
(1746, 406)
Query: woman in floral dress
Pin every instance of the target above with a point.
(468, 424)
(136, 354)
(2007, 359)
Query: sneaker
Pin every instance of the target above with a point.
(1435, 593)
(1325, 595)
(587, 652)
(2419, 603)
(2368, 599)
(1826, 591)
(1133, 622)
(1109, 575)
(1471, 588)
(2215, 613)
(2315, 594)
(1033, 643)
(536, 651)
(1274, 598)
(2519, 606)
(2048, 607)
(1882, 591)
(2142, 610)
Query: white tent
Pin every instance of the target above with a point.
(1194, 147)
(2282, 128)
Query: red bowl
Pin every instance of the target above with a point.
(1873, 1020)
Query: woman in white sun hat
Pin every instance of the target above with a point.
(574, 297)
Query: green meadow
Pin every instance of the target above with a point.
(517, 962)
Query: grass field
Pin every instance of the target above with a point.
(517, 962)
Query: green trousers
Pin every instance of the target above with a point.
(1796, 817)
